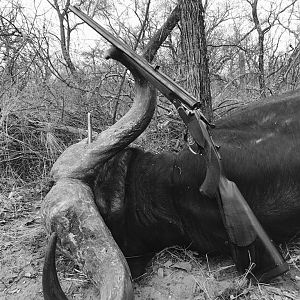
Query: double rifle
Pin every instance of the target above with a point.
(249, 243)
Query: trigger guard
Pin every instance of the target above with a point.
(194, 148)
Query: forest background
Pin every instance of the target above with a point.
(52, 73)
(52, 70)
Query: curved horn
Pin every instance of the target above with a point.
(69, 208)
(70, 211)
(80, 160)
(51, 287)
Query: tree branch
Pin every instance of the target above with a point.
(161, 34)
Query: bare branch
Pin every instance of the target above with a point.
(160, 36)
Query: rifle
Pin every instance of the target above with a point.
(248, 240)
(186, 105)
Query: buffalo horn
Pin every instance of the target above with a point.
(51, 287)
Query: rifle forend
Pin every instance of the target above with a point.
(162, 82)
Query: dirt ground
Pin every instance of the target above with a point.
(175, 273)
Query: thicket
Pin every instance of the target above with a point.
(48, 85)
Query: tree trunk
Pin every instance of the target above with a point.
(261, 37)
(65, 32)
(195, 50)
(242, 71)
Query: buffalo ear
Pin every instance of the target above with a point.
(110, 183)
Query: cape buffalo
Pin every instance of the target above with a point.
(150, 201)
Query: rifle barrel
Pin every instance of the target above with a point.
(162, 82)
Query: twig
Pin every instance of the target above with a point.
(90, 130)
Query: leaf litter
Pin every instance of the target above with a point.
(174, 273)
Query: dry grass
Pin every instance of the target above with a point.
(28, 148)
(174, 273)
(213, 277)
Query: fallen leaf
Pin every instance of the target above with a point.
(184, 265)
(15, 291)
(160, 272)
(290, 295)
(274, 290)
(28, 223)
(28, 275)
(168, 264)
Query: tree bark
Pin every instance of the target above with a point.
(261, 37)
(242, 70)
(195, 50)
